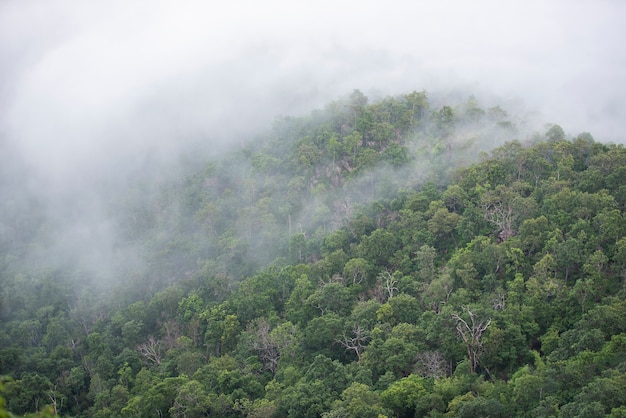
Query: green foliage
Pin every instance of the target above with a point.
(358, 400)
(301, 275)
(406, 397)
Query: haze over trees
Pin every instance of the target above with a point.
(393, 257)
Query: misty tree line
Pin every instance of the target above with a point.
(351, 263)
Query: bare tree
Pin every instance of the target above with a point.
(56, 401)
(388, 282)
(151, 350)
(471, 333)
(356, 341)
(503, 216)
(173, 330)
(263, 344)
(499, 301)
(342, 212)
(272, 344)
(505, 207)
(432, 364)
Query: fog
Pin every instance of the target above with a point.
(92, 93)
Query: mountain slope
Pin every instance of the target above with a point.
(349, 263)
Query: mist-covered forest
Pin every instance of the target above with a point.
(409, 255)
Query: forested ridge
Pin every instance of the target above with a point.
(400, 257)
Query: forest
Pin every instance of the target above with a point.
(400, 257)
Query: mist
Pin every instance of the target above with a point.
(95, 96)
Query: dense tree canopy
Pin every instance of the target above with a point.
(366, 260)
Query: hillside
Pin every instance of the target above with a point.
(397, 257)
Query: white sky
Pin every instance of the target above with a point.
(86, 85)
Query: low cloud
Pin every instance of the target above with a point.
(87, 82)
(92, 92)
